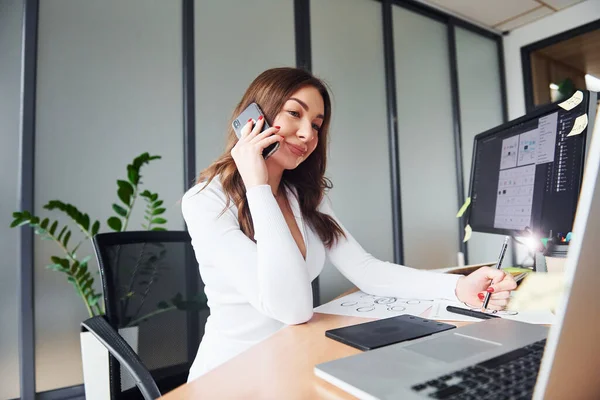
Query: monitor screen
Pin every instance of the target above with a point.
(526, 174)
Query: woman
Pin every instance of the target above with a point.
(261, 229)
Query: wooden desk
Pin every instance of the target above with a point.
(280, 367)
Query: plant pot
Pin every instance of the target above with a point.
(94, 357)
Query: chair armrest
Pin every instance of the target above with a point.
(118, 347)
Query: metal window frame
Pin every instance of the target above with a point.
(530, 48)
(26, 198)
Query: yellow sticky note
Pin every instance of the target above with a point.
(468, 232)
(463, 208)
(579, 125)
(573, 102)
(539, 291)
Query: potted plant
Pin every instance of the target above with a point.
(77, 272)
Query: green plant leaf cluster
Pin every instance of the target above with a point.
(127, 192)
(76, 269)
(153, 211)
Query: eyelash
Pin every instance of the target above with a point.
(296, 114)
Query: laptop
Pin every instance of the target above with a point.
(499, 358)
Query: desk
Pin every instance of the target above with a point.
(280, 367)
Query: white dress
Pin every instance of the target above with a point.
(255, 289)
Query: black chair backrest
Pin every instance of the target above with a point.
(120, 349)
(152, 293)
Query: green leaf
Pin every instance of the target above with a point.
(45, 223)
(119, 210)
(154, 197)
(126, 186)
(93, 299)
(95, 228)
(84, 221)
(56, 267)
(133, 175)
(87, 284)
(18, 222)
(124, 196)
(115, 224)
(158, 228)
(144, 226)
(53, 228)
(62, 232)
(66, 239)
(159, 211)
(146, 194)
(157, 204)
(82, 270)
(159, 221)
(73, 269)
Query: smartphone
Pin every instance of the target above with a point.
(253, 111)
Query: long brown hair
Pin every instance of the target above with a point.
(271, 89)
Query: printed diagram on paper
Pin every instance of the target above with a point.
(360, 304)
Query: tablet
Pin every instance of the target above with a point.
(374, 334)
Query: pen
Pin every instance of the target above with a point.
(497, 266)
(470, 313)
(520, 277)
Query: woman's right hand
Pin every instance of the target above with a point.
(247, 152)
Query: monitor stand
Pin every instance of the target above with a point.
(539, 262)
(539, 259)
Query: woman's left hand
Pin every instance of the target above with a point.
(471, 289)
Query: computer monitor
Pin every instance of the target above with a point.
(526, 174)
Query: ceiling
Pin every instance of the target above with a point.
(501, 15)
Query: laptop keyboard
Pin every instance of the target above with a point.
(509, 376)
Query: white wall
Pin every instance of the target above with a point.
(235, 42)
(351, 61)
(10, 89)
(569, 18)
(108, 89)
(425, 141)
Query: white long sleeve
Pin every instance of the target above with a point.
(382, 278)
(255, 289)
(271, 273)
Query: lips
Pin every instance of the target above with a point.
(297, 150)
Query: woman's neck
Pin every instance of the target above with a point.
(275, 173)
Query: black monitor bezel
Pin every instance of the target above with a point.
(537, 113)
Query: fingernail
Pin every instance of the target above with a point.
(481, 296)
(261, 117)
(490, 290)
(249, 119)
(277, 127)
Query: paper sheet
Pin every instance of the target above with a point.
(573, 102)
(438, 312)
(464, 208)
(360, 304)
(579, 125)
(468, 233)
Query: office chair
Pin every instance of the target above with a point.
(150, 285)
(118, 348)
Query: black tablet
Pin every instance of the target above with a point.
(374, 334)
